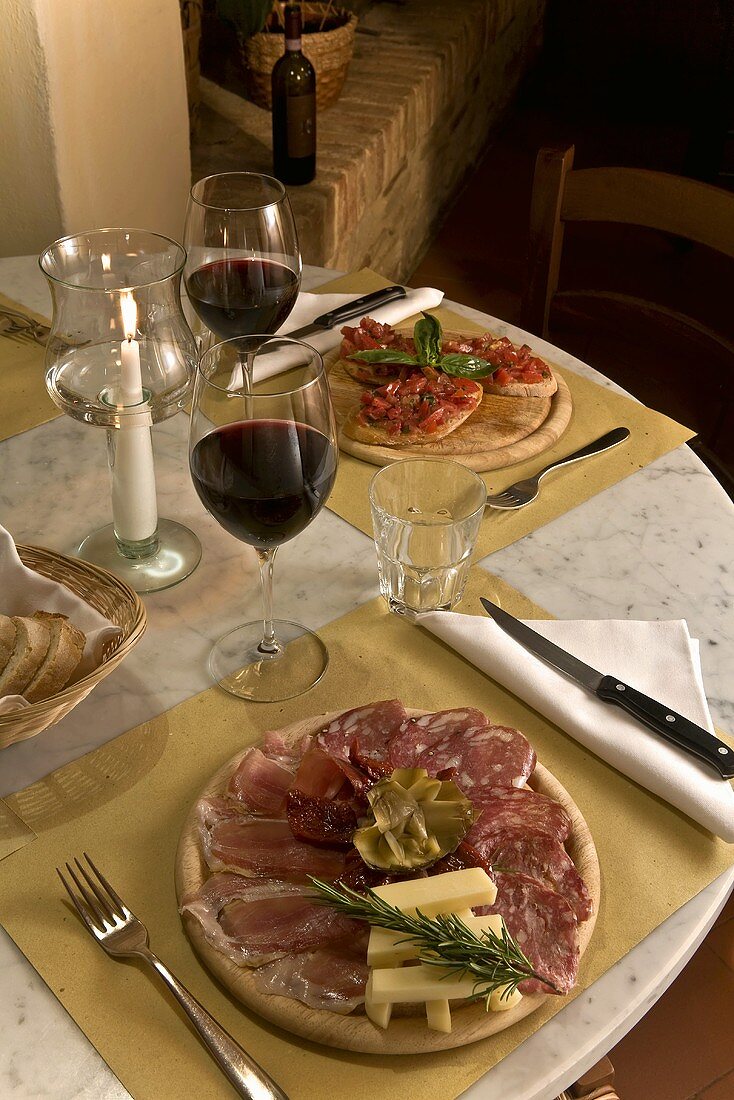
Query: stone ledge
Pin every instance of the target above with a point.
(415, 112)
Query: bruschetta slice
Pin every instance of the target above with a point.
(518, 371)
(421, 406)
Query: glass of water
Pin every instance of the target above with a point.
(426, 514)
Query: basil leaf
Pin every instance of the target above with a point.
(466, 366)
(427, 337)
(384, 355)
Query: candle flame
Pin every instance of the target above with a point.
(106, 262)
(129, 314)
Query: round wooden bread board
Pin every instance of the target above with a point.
(406, 1034)
(502, 431)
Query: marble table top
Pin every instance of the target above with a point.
(658, 545)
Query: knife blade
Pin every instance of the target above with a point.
(656, 716)
(357, 308)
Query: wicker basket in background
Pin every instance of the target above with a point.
(112, 598)
(191, 30)
(328, 51)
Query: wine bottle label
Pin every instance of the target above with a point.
(293, 44)
(301, 125)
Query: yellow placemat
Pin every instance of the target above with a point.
(24, 402)
(125, 804)
(596, 410)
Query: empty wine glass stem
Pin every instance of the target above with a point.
(265, 560)
(134, 505)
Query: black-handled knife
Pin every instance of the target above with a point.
(657, 717)
(356, 308)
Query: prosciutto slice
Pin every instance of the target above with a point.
(254, 922)
(318, 776)
(483, 755)
(517, 808)
(544, 925)
(372, 725)
(333, 977)
(260, 783)
(261, 846)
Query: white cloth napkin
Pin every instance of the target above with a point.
(309, 306)
(23, 591)
(659, 658)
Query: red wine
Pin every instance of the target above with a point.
(243, 296)
(264, 480)
(294, 107)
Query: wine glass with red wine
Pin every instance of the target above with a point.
(263, 456)
(243, 270)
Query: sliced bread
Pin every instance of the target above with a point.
(32, 639)
(64, 653)
(7, 639)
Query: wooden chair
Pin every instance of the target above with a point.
(596, 1084)
(682, 210)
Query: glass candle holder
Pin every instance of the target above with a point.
(121, 356)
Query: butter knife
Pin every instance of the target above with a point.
(358, 308)
(656, 716)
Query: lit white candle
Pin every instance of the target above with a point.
(134, 507)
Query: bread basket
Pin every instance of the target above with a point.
(112, 598)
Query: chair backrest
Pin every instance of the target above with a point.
(632, 196)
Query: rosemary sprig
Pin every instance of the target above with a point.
(444, 941)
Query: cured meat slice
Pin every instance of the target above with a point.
(318, 775)
(544, 925)
(517, 808)
(373, 725)
(483, 755)
(541, 857)
(260, 783)
(418, 735)
(320, 820)
(275, 746)
(254, 921)
(261, 846)
(333, 977)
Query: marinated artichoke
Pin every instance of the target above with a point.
(415, 820)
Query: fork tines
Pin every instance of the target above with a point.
(97, 909)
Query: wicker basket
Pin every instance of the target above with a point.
(191, 30)
(108, 595)
(328, 51)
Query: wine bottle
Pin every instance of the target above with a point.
(294, 107)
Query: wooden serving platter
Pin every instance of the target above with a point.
(502, 431)
(406, 1035)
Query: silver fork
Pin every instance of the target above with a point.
(522, 492)
(120, 933)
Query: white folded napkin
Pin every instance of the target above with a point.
(658, 658)
(23, 591)
(309, 306)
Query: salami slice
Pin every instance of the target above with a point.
(417, 736)
(483, 755)
(534, 853)
(517, 808)
(544, 925)
(373, 725)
